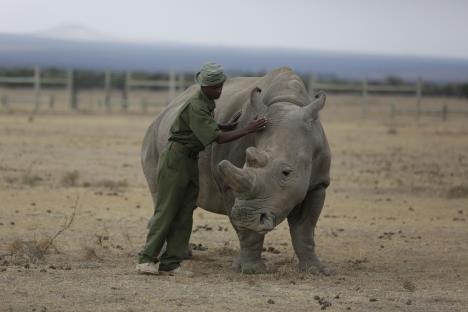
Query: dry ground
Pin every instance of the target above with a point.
(394, 228)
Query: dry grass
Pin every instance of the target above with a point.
(70, 178)
(26, 252)
(460, 191)
(112, 185)
(31, 180)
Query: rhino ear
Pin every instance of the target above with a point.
(256, 101)
(254, 158)
(311, 111)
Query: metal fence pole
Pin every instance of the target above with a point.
(393, 110)
(364, 99)
(126, 91)
(72, 99)
(37, 88)
(4, 101)
(144, 105)
(311, 85)
(51, 102)
(418, 97)
(181, 82)
(107, 91)
(444, 112)
(172, 85)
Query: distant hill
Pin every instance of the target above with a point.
(88, 51)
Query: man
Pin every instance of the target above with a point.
(193, 129)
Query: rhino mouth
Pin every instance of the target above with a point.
(258, 220)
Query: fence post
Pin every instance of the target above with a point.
(311, 85)
(72, 99)
(392, 110)
(37, 88)
(126, 91)
(51, 101)
(181, 82)
(364, 99)
(107, 90)
(172, 85)
(444, 112)
(5, 102)
(418, 97)
(144, 105)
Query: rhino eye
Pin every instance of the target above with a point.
(286, 172)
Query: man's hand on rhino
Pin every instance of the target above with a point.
(258, 124)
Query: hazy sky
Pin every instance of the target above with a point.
(417, 27)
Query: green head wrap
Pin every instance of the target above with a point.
(210, 74)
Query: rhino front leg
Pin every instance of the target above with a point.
(249, 260)
(302, 222)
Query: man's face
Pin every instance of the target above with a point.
(213, 92)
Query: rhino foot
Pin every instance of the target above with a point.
(315, 267)
(249, 267)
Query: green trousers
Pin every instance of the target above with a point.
(177, 192)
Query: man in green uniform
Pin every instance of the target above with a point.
(193, 129)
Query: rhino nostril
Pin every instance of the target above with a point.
(263, 218)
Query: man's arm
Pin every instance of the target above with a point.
(232, 124)
(258, 124)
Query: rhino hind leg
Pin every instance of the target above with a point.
(302, 222)
(249, 260)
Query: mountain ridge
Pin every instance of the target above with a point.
(98, 54)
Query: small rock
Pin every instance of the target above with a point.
(52, 267)
(271, 301)
(409, 302)
(372, 299)
(43, 270)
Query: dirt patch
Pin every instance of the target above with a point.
(392, 231)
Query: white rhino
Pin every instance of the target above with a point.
(265, 177)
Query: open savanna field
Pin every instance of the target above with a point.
(394, 230)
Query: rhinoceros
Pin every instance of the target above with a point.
(263, 178)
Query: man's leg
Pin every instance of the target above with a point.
(181, 228)
(171, 188)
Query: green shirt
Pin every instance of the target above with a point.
(195, 126)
